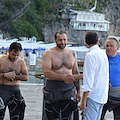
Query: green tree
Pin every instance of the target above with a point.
(5, 15)
(24, 28)
(13, 5)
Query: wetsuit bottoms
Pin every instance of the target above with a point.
(60, 100)
(13, 99)
(62, 109)
(111, 106)
(113, 103)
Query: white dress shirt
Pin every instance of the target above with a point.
(96, 75)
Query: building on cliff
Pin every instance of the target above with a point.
(76, 24)
(84, 20)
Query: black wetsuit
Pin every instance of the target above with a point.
(13, 99)
(60, 100)
(113, 103)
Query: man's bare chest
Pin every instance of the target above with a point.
(62, 61)
(9, 67)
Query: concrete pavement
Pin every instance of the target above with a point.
(34, 98)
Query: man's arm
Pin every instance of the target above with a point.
(78, 76)
(89, 69)
(83, 102)
(24, 73)
(75, 73)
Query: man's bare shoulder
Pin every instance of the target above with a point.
(70, 50)
(3, 58)
(49, 51)
(20, 60)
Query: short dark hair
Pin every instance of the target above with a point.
(91, 37)
(60, 32)
(15, 46)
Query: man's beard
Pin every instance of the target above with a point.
(11, 58)
(59, 45)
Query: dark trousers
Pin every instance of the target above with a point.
(62, 109)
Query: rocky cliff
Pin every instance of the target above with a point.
(111, 10)
(112, 13)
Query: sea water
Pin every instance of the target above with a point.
(32, 78)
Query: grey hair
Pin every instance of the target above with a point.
(114, 38)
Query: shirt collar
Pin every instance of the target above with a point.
(93, 47)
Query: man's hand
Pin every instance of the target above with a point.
(83, 105)
(10, 75)
(83, 102)
(69, 78)
(110, 85)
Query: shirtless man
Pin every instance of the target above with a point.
(12, 71)
(59, 65)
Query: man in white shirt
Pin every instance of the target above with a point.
(95, 79)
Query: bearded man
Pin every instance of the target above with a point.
(12, 71)
(59, 66)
